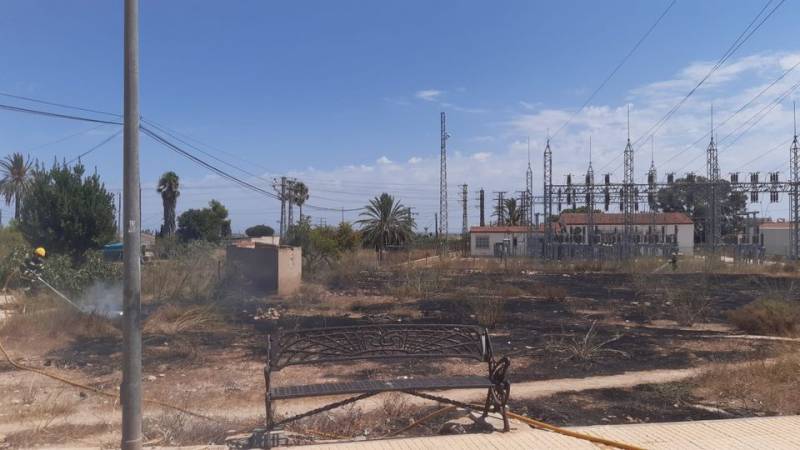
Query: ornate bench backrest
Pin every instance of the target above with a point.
(393, 341)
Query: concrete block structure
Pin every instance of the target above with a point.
(270, 268)
(655, 228)
(490, 241)
(776, 238)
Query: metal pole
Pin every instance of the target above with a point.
(131, 387)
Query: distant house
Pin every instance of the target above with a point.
(656, 228)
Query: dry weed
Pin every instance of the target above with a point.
(770, 386)
(178, 319)
(181, 429)
(489, 311)
(586, 348)
(767, 315)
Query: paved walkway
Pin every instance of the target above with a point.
(754, 433)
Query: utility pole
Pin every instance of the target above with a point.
(283, 207)
(794, 197)
(481, 197)
(436, 225)
(119, 214)
(131, 387)
(443, 179)
(464, 225)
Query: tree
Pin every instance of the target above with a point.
(513, 215)
(691, 197)
(66, 212)
(385, 222)
(209, 224)
(299, 195)
(259, 231)
(168, 186)
(15, 181)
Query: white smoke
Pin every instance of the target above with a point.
(103, 298)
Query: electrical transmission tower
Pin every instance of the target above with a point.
(794, 175)
(547, 175)
(713, 228)
(464, 225)
(652, 192)
(500, 209)
(443, 179)
(590, 199)
(528, 203)
(628, 193)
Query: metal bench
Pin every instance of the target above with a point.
(388, 342)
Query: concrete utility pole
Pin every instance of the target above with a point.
(283, 207)
(464, 224)
(131, 387)
(481, 206)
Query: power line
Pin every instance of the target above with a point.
(60, 105)
(616, 69)
(56, 115)
(102, 143)
(743, 37)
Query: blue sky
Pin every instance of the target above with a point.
(346, 95)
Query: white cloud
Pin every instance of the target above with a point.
(428, 94)
(414, 160)
(481, 156)
(384, 160)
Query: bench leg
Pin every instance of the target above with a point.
(487, 405)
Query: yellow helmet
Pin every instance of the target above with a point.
(40, 252)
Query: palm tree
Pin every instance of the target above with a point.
(513, 215)
(168, 186)
(299, 196)
(386, 222)
(16, 179)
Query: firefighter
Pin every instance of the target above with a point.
(32, 267)
(673, 261)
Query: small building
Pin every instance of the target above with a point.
(269, 268)
(653, 228)
(495, 240)
(776, 238)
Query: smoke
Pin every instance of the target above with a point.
(103, 298)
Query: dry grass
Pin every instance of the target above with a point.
(769, 386)
(182, 429)
(586, 348)
(551, 292)
(689, 304)
(489, 311)
(190, 276)
(770, 316)
(180, 319)
(351, 421)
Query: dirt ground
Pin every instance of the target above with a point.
(553, 325)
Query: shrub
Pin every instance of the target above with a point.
(209, 224)
(769, 316)
(191, 274)
(260, 231)
(689, 304)
(72, 278)
(489, 311)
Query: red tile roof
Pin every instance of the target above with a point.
(671, 218)
(775, 225)
(500, 229)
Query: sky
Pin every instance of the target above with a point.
(346, 95)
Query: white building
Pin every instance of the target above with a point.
(489, 241)
(776, 238)
(658, 228)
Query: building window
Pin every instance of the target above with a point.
(482, 242)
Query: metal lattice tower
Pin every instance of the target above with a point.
(500, 210)
(794, 196)
(547, 175)
(713, 226)
(652, 192)
(464, 225)
(590, 199)
(528, 204)
(443, 179)
(628, 194)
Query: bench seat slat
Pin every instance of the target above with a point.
(401, 384)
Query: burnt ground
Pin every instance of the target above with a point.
(543, 318)
(669, 402)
